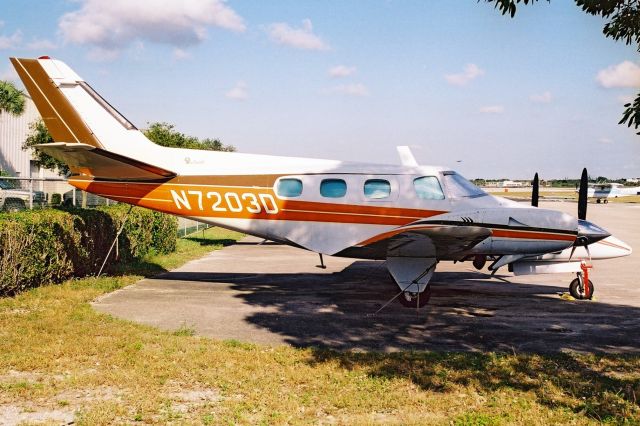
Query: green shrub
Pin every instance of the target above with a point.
(48, 246)
(56, 199)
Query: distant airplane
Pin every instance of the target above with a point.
(604, 191)
(412, 216)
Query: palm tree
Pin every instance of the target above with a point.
(11, 98)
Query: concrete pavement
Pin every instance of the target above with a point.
(273, 294)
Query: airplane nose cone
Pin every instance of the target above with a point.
(589, 233)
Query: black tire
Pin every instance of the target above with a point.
(574, 290)
(13, 206)
(479, 261)
(419, 301)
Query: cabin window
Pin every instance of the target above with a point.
(289, 187)
(428, 188)
(377, 189)
(333, 188)
(459, 187)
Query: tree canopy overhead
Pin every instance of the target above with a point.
(623, 23)
(11, 98)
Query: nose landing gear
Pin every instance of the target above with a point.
(581, 287)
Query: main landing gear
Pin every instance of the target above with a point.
(411, 299)
(412, 275)
(581, 287)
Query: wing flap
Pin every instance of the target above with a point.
(98, 163)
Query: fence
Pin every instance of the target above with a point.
(18, 194)
(31, 193)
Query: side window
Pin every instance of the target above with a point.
(333, 188)
(289, 187)
(428, 188)
(377, 189)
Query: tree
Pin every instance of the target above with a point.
(160, 133)
(11, 98)
(623, 24)
(165, 134)
(39, 135)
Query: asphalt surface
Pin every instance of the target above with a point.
(273, 294)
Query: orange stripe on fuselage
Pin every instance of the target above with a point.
(202, 198)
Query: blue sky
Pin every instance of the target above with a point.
(455, 80)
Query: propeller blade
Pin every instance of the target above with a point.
(582, 195)
(573, 249)
(535, 191)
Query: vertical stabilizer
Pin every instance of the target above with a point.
(75, 113)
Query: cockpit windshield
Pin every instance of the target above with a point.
(459, 187)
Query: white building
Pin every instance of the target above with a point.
(18, 162)
(511, 184)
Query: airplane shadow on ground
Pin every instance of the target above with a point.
(445, 345)
(468, 311)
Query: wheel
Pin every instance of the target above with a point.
(598, 201)
(574, 289)
(479, 261)
(415, 300)
(606, 201)
(13, 206)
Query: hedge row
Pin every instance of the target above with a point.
(48, 246)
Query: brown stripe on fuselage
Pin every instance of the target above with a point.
(532, 235)
(155, 194)
(62, 120)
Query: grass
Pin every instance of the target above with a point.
(58, 355)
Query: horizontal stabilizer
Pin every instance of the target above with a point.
(98, 163)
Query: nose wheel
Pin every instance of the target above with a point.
(578, 289)
(581, 287)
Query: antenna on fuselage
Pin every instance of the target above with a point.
(406, 156)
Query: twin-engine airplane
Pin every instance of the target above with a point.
(412, 216)
(603, 191)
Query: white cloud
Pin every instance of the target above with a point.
(541, 98)
(624, 74)
(41, 44)
(299, 38)
(470, 72)
(12, 41)
(356, 89)
(491, 109)
(113, 25)
(180, 54)
(341, 71)
(238, 92)
(606, 141)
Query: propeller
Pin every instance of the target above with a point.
(588, 232)
(582, 195)
(535, 191)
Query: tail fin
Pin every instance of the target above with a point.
(75, 114)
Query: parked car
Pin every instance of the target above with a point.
(14, 199)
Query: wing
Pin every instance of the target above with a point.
(448, 242)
